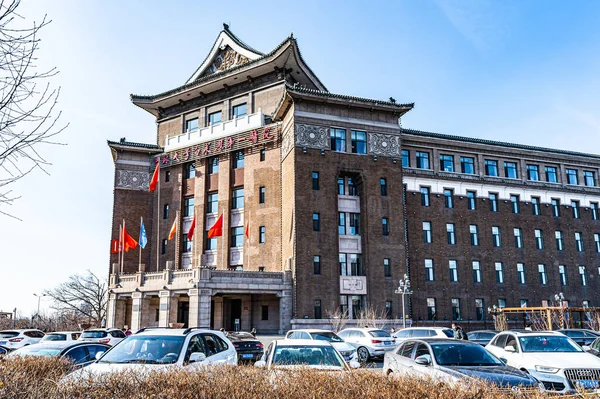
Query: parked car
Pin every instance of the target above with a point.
(347, 351)
(482, 337)
(369, 342)
(552, 358)
(80, 353)
(594, 347)
(423, 332)
(454, 361)
(298, 353)
(161, 348)
(247, 346)
(3, 351)
(15, 339)
(581, 336)
(109, 336)
(61, 336)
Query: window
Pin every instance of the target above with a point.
(385, 227)
(387, 270)
(191, 124)
(261, 235)
(539, 239)
(354, 224)
(238, 159)
(455, 309)
(167, 176)
(510, 170)
(316, 222)
(429, 276)
(543, 276)
(213, 165)
(317, 309)
(589, 179)
(562, 271)
(359, 142)
(425, 196)
(190, 170)
(450, 233)
(471, 203)
(514, 199)
(341, 186)
(476, 272)
(212, 203)
(535, 206)
(555, 207)
(427, 232)
(316, 264)
(518, 237)
(578, 242)
(338, 140)
(499, 272)
(583, 275)
(405, 159)
(315, 180)
(237, 198)
(448, 198)
(383, 186)
(523, 303)
(453, 271)
(188, 207)
(422, 160)
(496, 236)
(559, 240)
(493, 202)
(474, 235)
(239, 110)
(165, 211)
(261, 194)
(163, 249)
(215, 117)
(237, 236)
(388, 309)
(479, 315)
(594, 210)
(521, 273)
(491, 167)
(597, 242)
(446, 163)
(467, 165)
(575, 206)
(551, 176)
(352, 188)
(187, 244)
(572, 176)
(264, 312)
(341, 223)
(533, 172)
(431, 309)
(501, 303)
(211, 243)
(355, 268)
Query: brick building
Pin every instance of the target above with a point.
(339, 203)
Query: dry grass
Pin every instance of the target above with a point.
(38, 378)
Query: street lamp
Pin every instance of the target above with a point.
(404, 289)
(39, 297)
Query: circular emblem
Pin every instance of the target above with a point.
(384, 144)
(312, 135)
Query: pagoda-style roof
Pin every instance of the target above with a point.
(124, 145)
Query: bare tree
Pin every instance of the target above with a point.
(338, 319)
(371, 317)
(28, 116)
(81, 297)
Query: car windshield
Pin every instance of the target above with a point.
(55, 337)
(146, 349)
(448, 333)
(94, 334)
(548, 343)
(36, 350)
(379, 334)
(307, 356)
(8, 334)
(463, 355)
(487, 335)
(326, 336)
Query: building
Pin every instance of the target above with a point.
(339, 203)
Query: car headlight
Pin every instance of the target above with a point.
(547, 369)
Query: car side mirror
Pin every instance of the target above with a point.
(260, 363)
(197, 357)
(510, 348)
(99, 355)
(354, 365)
(585, 348)
(423, 360)
(503, 360)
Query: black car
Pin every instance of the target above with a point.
(581, 336)
(481, 337)
(80, 353)
(247, 346)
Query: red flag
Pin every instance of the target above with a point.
(247, 225)
(173, 230)
(115, 248)
(128, 241)
(190, 233)
(154, 180)
(217, 229)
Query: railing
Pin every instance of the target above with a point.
(244, 274)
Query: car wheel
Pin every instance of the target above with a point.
(363, 354)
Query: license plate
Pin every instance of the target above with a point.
(247, 356)
(587, 384)
(2, 342)
(388, 343)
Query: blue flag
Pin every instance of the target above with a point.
(143, 238)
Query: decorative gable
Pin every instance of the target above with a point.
(226, 58)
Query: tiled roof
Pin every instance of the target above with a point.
(124, 143)
(495, 143)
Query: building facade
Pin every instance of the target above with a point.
(326, 203)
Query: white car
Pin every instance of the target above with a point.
(61, 336)
(162, 348)
(15, 339)
(304, 353)
(552, 358)
(423, 332)
(369, 342)
(108, 336)
(347, 351)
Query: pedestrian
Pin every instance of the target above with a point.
(127, 331)
(459, 333)
(253, 332)
(392, 331)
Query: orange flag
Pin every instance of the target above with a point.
(173, 230)
(190, 233)
(217, 229)
(154, 180)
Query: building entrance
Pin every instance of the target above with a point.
(232, 312)
(183, 313)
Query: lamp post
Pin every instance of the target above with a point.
(39, 297)
(404, 289)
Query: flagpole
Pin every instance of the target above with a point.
(248, 243)
(123, 249)
(158, 223)
(140, 263)
(119, 248)
(223, 246)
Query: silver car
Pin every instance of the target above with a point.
(369, 342)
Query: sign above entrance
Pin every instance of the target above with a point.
(353, 285)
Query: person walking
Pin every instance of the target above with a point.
(458, 332)
(253, 332)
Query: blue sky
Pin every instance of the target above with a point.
(521, 71)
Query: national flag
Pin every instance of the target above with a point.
(190, 233)
(154, 180)
(143, 237)
(247, 226)
(173, 230)
(217, 229)
(128, 241)
(115, 248)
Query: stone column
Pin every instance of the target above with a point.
(204, 308)
(111, 312)
(165, 307)
(193, 319)
(285, 311)
(136, 311)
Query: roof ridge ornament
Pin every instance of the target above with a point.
(225, 26)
